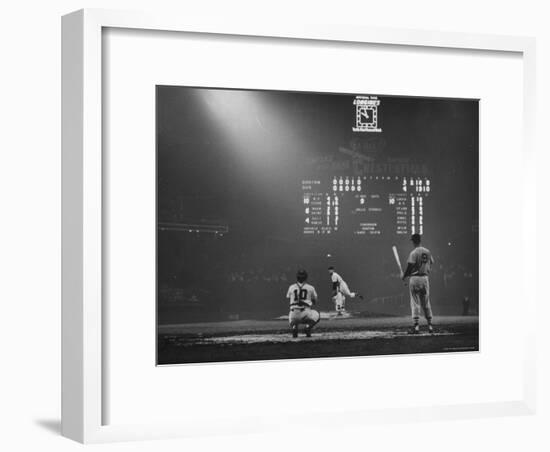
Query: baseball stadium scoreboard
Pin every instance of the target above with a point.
(367, 206)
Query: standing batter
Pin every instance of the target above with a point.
(301, 297)
(419, 265)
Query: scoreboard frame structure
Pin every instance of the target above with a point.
(84, 395)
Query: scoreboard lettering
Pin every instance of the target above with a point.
(365, 205)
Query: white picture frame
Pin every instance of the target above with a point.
(83, 347)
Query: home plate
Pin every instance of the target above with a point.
(326, 315)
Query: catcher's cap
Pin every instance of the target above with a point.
(301, 276)
(416, 238)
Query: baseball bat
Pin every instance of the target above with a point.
(396, 255)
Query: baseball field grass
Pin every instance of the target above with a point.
(252, 340)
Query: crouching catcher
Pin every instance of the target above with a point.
(301, 297)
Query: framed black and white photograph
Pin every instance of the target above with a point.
(308, 225)
(245, 204)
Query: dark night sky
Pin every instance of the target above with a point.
(238, 157)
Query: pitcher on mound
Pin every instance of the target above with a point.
(340, 290)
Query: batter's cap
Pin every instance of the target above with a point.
(416, 238)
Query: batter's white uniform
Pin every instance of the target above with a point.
(301, 298)
(342, 291)
(419, 285)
